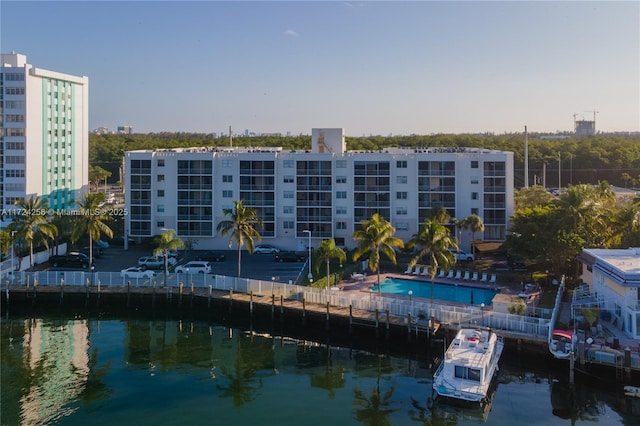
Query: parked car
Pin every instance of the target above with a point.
(265, 248)
(155, 262)
(72, 259)
(462, 256)
(194, 267)
(103, 244)
(215, 256)
(289, 256)
(119, 241)
(136, 272)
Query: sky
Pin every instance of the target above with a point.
(372, 68)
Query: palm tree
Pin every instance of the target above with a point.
(32, 225)
(475, 224)
(375, 236)
(164, 243)
(326, 251)
(241, 223)
(433, 241)
(92, 221)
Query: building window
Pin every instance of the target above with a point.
(402, 226)
(288, 194)
(474, 195)
(341, 164)
(474, 179)
(227, 178)
(14, 173)
(15, 159)
(474, 211)
(227, 163)
(401, 179)
(341, 179)
(341, 225)
(160, 178)
(341, 195)
(227, 194)
(287, 209)
(474, 164)
(401, 195)
(160, 192)
(160, 208)
(160, 162)
(287, 164)
(288, 224)
(288, 179)
(160, 224)
(341, 210)
(401, 211)
(401, 164)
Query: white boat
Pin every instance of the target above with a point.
(469, 365)
(561, 343)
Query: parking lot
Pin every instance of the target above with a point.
(256, 266)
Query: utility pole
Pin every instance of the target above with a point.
(526, 159)
(559, 175)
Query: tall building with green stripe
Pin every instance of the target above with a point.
(44, 148)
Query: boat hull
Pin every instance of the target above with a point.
(469, 368)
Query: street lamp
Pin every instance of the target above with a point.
(310, 276)
(410, 301)
(482, 313)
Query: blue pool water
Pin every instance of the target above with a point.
(449, 292)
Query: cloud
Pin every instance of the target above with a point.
(291, 33)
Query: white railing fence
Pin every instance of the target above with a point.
(369, 301)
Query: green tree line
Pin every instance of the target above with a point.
(606, 157)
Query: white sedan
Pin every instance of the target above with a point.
(137, 272)
(266, 248)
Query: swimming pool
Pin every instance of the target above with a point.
(441, 291)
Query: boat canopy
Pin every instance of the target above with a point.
(563, 333)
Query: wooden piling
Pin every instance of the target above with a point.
(128, 293)
(328, 319)
(304, 311)
(281, 308)
(350, 319)
(627, 365)
(209, 297)
(377, 322)
(251, 302)
(61, 290)
(273, 306)
(388, 325)
(409, 327)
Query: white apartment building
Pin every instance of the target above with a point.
(44, 146)
(613, 277)
(327, 190)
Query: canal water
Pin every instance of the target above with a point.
(59, 371)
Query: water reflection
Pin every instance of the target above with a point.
(146, 371)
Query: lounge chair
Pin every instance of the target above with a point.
(425, 271)
(466, 276)
(409, 270)
(474, 277)
(441, 274)
(484, 277)
(418, 270)
(493, 278)
(458, 275)
(450, 275)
